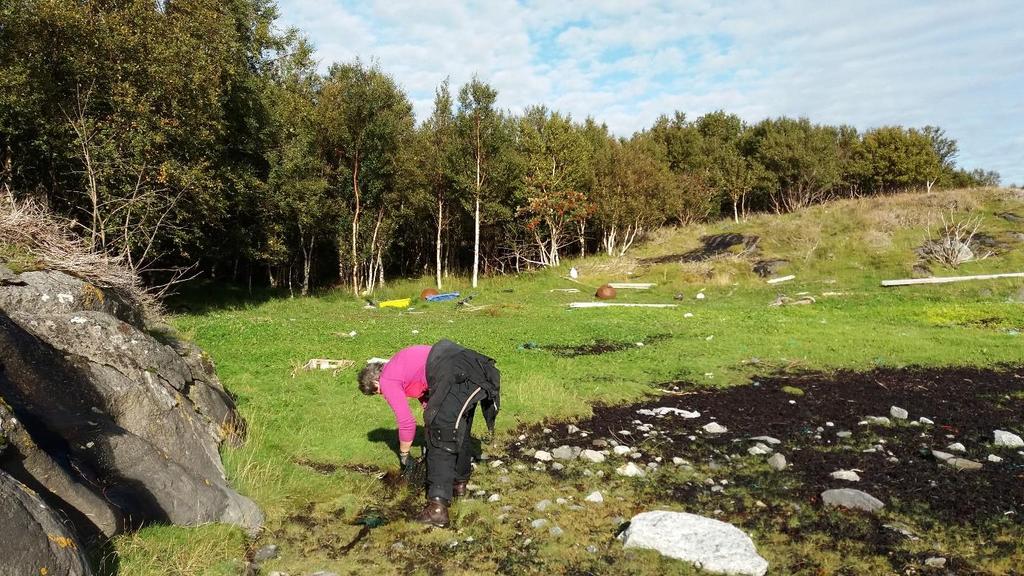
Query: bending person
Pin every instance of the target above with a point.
(450, 382)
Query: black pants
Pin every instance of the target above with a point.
(447, 464)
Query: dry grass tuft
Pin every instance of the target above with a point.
(30, 228)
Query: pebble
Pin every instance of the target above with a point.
(595, 497)
(759, 450)
(556, 466)
(268, 552)
(542, 505)
(844, 434)
(630, 470)
(767, 439)
(592, 456)
(994, 458)
(539, 523)
(556, 531)
(1007, 439)
(542, 456)
(898, 413)
(935, 562)
(547, 430)
(494, 498)
(678, 461)
(848, 475)
(572, 429)
(880, 420)
(926, 421)
(715, 428)
(621, 450)
(599, 443)
(496, 463)
(850, 498)
(963, 464)
(777, 462)
(956, 447)
(561, 501)
(592, 549)
(717, 489)
(941, 455)
(563, 453)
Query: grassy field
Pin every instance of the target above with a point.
(313, 435)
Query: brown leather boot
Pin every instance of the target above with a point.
(434, 513)
(459, 489)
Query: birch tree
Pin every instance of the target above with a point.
(479, 126)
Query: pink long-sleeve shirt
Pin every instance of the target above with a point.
(405, 376)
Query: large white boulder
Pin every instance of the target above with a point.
(709, 544)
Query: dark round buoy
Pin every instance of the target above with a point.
(605, 292)
(428, 292)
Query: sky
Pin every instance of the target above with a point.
(867, 63)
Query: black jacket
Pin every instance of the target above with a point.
(458, 378)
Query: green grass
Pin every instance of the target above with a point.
(839, 253)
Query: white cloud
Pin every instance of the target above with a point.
(867, 63)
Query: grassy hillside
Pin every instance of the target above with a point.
(311, 433)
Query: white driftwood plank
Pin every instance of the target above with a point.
(619, 304)
(781, 279)
(631, 285)
(948, 279)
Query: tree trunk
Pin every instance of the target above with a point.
(355, 227)
(735, 209)
(476, 219)
(440, 226)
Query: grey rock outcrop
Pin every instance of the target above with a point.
(34, 540)
(709, 544)
(112, 421)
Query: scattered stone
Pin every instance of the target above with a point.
(943, 456)
(852, 499)
(556, 531)
(557, 466)
(324, 573)
(1007, 439)
(847, 475)
(879, 420)
(630, 470)
(268, 552)
(494, 498)
(711, 545)
(678, 461)
(957, 447)
(925, 421)
(715, 428)
(542, 456)
(496, 463)
(592, 456)
(995, 459)
(599, 443)
(539, 523)
(777, 462)
(561, 501)
(898, 413)
(767, 439)
(935, 562)
(547, 430)
(572, 429)
(592, 549)
(595, 497)
(844, 434)
(621, 450)
(902, 530)
(717, 489)
(759, 449)
(542, 506)
(963, 464)
(665, 410)
(563, 453)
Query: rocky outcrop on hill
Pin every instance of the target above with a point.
(112, 423)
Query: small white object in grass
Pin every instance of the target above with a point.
(956, 447)
(561, 501)
(539, 523)
(1007, 439)
(715, 428)
(415, 331)
(994, 459)
(847, 475)
(898, 413)
(621, 450)
(639, 344)
(700, 296)
(542, 456)
(925, 421)
(688, 315)
(496, 463)
(595, 497)
(494, 498)
(630, 470)
(709, 374)
(710, 338)
(829, 424)
(792, 401)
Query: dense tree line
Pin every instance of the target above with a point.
(191, 136)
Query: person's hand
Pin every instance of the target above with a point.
(407, 463)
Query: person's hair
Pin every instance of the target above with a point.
(369, 376)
